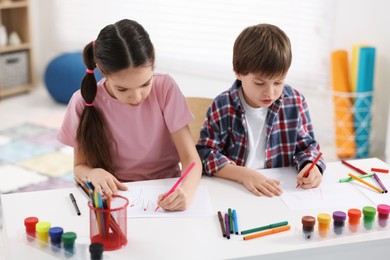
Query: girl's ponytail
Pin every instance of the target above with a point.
(93, 135)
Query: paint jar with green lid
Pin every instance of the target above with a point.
(42, 229)
(324, 220)
(68, 240)
(369, 217)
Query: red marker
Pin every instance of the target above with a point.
(353, 167)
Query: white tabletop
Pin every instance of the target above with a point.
(197, 238)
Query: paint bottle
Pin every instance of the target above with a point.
(308, 223)
(42, 228)
(339, 218)
(383, 214)
(30, 224)
(369, 217)
(96, 250)
(55, 234)
(323, 224)
(354, 216)
(68, 239)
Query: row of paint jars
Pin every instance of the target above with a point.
(340, 218)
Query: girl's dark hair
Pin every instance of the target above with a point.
(118, 46)
(264, 49)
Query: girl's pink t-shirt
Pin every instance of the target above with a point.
(144, 148)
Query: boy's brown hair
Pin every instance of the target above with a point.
(263, 49)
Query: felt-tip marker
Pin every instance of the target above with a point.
(74, 204)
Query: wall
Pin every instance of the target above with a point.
(348, 29)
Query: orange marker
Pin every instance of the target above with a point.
(268, 232)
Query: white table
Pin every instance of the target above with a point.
(196, 238)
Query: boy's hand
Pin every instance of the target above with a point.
(312, 181)
(260, 185)
(105, 182)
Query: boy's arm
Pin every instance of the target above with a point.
(307, 146)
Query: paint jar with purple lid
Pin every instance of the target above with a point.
(383, 214)
(339, 218)
(308, 223)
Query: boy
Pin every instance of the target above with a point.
(260, 122)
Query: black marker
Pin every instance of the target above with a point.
(74, 204)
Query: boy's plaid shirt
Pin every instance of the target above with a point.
(290, 138)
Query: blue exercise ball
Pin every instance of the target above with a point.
(64, 74)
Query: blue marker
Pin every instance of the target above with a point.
(235, 221)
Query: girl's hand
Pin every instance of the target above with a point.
(312, 181)
(176, 201)
(105, 182)
(260, 185)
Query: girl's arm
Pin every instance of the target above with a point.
(181, 198)
(100, 178)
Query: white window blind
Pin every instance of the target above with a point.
(196, 37)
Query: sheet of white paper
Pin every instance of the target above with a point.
(143, 199)
(330, 194)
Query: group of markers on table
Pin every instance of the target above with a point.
(380, 189)
(56, 237)
(229, 225)
(340, 218)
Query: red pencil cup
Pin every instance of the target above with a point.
(109, 226)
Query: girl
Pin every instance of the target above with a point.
(133, 124)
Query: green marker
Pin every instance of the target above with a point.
(279, 224)
(351, 179)
(230, 220)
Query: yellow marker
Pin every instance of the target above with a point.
(366, 183)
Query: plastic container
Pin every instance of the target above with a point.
(42, 228)
(324, 220)
(30, 224)
(109, 226)
(339, 218)
(369, 217)
(383, 214)
(308, 223)
(68, 239)
(354, 216)
(96, 250)
(55, 234)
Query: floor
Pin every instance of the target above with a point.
(28, 145)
